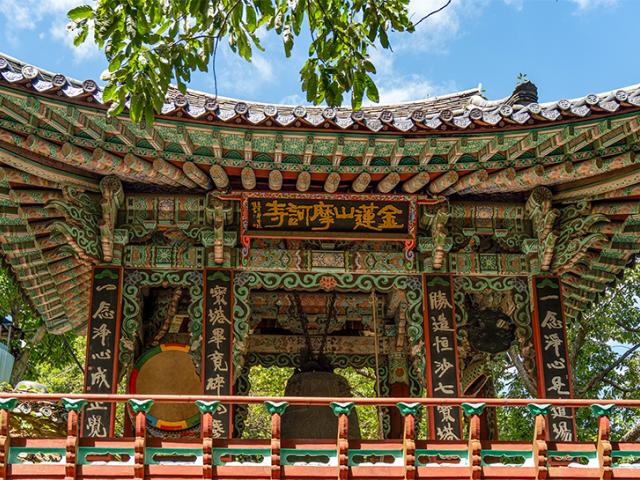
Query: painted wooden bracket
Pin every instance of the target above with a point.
(140, 408)
(342, 411)
(473, 411)
(6, 405)
(604, 445)
(275, 409)
(73, 408)
(207, 409)
(539, 445)
(409, 412)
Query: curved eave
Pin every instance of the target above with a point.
(464, 111)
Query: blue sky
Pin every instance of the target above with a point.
(569, 48)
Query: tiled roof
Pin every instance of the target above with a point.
(462, 111)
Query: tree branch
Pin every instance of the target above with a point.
(617, 386)
(517, 362)
(432, 13)
(632, 434)
(602, 374)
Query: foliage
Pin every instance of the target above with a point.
(272, 381)
(604, 349)
(46, 358)
(150, 43)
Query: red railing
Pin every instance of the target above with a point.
(140, 457)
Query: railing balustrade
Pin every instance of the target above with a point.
(142, 457)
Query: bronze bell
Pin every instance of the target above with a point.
(312, 422)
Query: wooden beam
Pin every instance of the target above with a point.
(361, 182)
(172, 172)
(495, 182)
(144, 169)
(443, 182)
(34, 197)
(44, 171)
(275, 180)
(603, 185)
(388, 183)
(332, 182)
(468, 181)
(15, 176)
(303, 182)
(415, 183)
(196, 175)
(248, 178)
(219, 176)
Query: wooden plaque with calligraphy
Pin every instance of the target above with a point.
(103, 336)
(217, 371)
(554, 372)
(347, 216)
(445, 423)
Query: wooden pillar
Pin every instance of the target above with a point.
(217, 341)
(103, 338)
(443, 376)
(342, 411)
(552, 358)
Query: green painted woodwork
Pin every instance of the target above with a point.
(84, 452)
(139, 406)
(301, 456)
(473, 408)
(240, 454)
(341, 408)
(408, 408)
(151, 455)
(8, 404)
(462, 455)
(602, 410)
(134, 280)
(411, 286)
(376, 455)
(15, 452)
(505, 456)
(275, 407)
(73, 404)
(207, 407)
(539, 408)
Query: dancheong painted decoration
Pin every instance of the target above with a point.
(418, 241)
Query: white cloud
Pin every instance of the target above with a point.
(584, 5)
(84, 51)
(30, 14)
(434, 33)
(405, 88)
(293, 99)
(517, 4)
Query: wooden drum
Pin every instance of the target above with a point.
(167, 369)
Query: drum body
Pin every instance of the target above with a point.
(167, 369)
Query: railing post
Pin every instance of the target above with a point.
(6, 405)
(409, 412)
(604, 445)
(275, 409)
(207, 409)
(539, 445)
(73, 408)
(342, 411)
(140, 408)
(473, 411)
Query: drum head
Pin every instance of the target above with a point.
(168, 369)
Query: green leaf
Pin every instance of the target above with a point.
(81, 12)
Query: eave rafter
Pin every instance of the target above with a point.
(85, 127)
